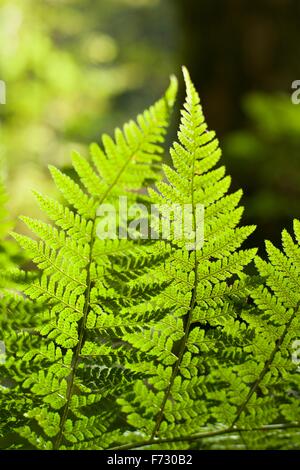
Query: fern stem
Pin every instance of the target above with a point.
(196, 437)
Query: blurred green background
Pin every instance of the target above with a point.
(77, 68)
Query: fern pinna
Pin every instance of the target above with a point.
(160, 343)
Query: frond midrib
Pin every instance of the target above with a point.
(189, 316)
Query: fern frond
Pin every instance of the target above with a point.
(181, 349)
(73, 289)
(277, 327)
(162, 340)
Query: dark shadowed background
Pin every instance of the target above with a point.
(77, 68)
